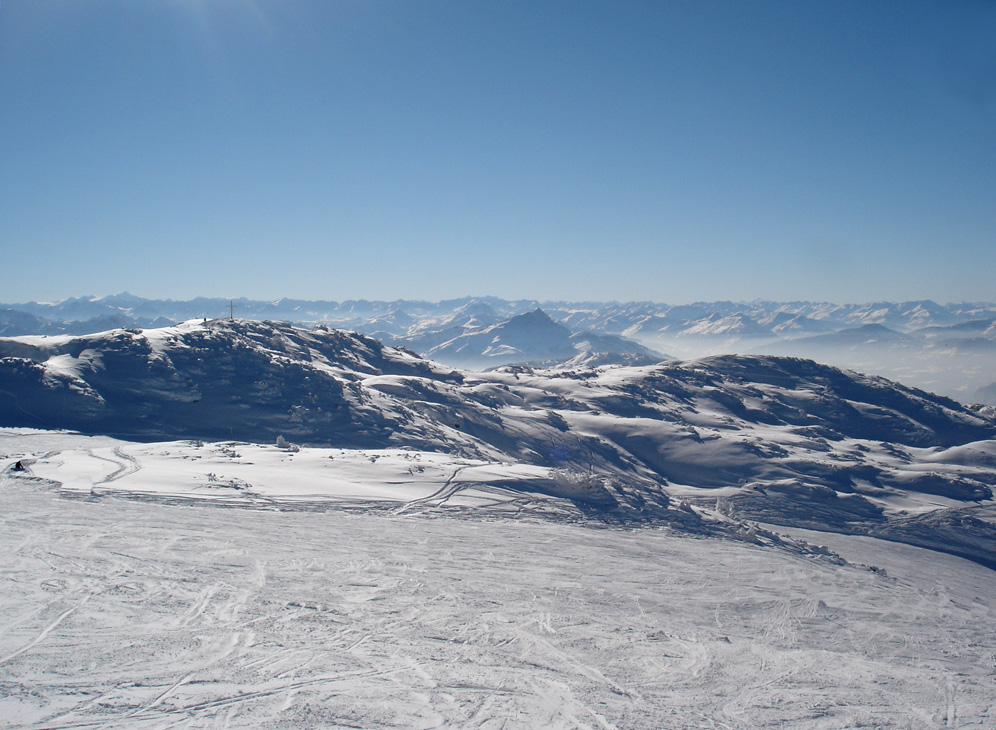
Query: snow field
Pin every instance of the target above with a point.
(119, 613)
(242, 473)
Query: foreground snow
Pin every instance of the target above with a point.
(167, 611)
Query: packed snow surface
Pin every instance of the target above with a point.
(311, 529)
(131, 599)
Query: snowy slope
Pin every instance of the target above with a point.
(138, 614)
(775, 439)
(245, 380)
(717, 325)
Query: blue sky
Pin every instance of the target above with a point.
(667, 151)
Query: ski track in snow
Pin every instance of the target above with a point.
(125, 465)
(128, 614)
(440, 496)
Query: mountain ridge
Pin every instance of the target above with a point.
(779, 439)
(939, 349)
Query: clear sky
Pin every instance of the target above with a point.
(336, 149)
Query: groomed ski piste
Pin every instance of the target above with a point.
(193, 584)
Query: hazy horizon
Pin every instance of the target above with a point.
(474, 297)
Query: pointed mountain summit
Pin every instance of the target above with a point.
(535, 318)
(528, 337)
(533, 338)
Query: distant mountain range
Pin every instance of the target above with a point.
(773, 439)
(950, 349)
(405, 317)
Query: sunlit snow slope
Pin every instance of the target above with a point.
(131, 614)
(778, 440)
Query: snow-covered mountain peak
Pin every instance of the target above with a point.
(534, 320)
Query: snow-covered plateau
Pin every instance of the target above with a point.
(251, 524)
